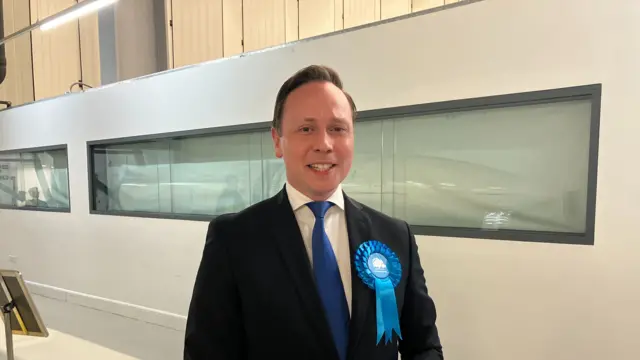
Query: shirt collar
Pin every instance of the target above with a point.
(298, 199)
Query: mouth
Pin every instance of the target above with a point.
(321, 167)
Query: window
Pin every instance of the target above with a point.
(518, 167)
(515, 168)
(183, 176)
(35, 179)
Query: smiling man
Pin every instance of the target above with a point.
(311, 273)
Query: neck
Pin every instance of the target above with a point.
(314, 196)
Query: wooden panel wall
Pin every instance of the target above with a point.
(56, 53)
(168, 20)
(291, 20)
(197, 31)
(360, 12)
(264, 23)
(318, 17)
(45, 64)
(17, 86)
(426, 4)
(65, 54)
(90, 49)
(232, 27)
(393, 8)
(204, 30)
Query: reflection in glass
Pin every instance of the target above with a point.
(199, 175)
(364, 182)
(519, 167)
(35, 180)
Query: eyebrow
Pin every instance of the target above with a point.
(335, 119)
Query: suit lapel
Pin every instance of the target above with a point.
(286, 232)
(358, 228)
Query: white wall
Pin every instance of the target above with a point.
(497, 300)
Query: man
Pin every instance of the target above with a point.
(34, 192)
(272, 284)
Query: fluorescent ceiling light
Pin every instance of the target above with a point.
(80, 11)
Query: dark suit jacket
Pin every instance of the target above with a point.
(255, 297)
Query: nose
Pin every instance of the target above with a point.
(323, 142)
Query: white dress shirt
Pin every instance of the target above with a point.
(335, 225)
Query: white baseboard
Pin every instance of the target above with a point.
(141, 313)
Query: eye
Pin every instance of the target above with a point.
(305, 129)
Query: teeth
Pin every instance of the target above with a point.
(321, 167)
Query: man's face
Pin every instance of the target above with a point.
(316, 140)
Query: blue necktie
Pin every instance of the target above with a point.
(328, 281)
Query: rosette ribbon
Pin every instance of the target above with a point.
(380, 269)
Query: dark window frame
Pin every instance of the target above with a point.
(36, 150)
(592, 92)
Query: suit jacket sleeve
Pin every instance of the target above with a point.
(214, 322)
(418, 320)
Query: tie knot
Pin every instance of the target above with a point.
(319, 208)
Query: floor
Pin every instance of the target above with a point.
(80, 333)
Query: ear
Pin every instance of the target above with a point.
(276, 142)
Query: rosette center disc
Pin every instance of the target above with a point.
(377, 264)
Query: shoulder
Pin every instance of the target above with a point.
(379, 219)
(252, 217)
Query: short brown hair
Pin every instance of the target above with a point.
(304, 76)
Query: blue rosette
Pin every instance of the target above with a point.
(380, 269)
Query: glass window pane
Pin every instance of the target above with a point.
(211, 175)
(38, 180)
(203, 175)
(11, 193)
(364, 182)
(521, 168)
(133, 176)
(274, 174)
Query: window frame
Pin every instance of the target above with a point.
(36, 150)
(591, 92)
